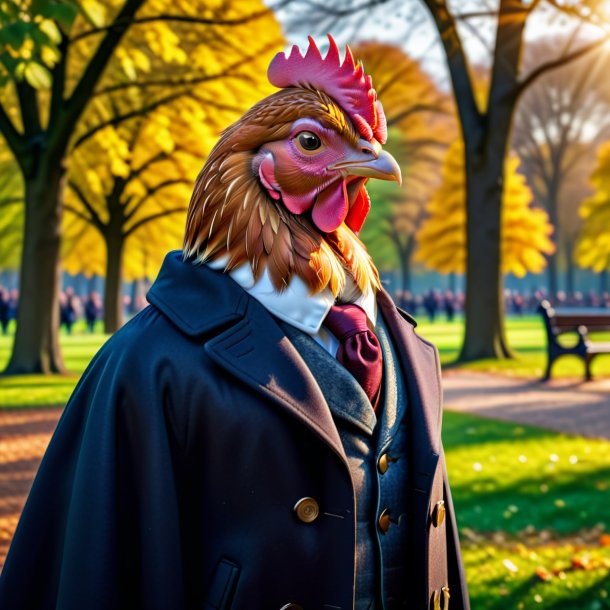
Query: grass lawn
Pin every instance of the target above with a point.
(533, 514)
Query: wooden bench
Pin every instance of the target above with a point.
(574, 320)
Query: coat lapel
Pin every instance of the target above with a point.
(258, 353)
(419, 363)
(243, 338)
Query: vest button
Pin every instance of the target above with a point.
(438, 516)
(307, 511)
(383, 463)
(384, 521)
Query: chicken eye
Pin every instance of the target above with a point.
(308, 141)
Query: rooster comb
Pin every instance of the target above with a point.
(346, 83)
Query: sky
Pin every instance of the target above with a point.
(408, 24)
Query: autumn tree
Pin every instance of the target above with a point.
(559, 124)
(526, 231)
(60, 58)
(125, 178)
(593, 247)
(486, 131)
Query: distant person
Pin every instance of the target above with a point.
(449, 305)
(93, 311)
(5, 310)
(68, 310)
(430, 305)
(517, 303)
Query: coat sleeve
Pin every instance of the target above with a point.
(100, 529)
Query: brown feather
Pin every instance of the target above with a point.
(231, 215)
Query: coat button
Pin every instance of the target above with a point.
(307, 511)
(440, 599)
(291, 607)
(438, 516)
(384, 521)
(446, 597)
(383, 463)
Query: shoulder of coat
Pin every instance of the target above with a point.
(407, 316)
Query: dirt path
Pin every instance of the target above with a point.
(24, 436)
(570, 406)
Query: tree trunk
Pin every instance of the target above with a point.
(36, 348)
(405, 253)
(113, 298)
(484, 335)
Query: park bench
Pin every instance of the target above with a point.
(574, 320)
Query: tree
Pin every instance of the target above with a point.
(60, 58)
(526, 231)
(593, 247)
(486, 130)
(559, 124)
(140, 173)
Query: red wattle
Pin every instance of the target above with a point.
(358, 211)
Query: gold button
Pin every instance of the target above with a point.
(307, 511)
(438, 516)
(446, 597)
(383, 463)
(384, 521)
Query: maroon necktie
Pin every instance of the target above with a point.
(359, 351)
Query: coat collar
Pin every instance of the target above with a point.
(242, 338)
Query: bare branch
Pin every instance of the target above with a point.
(28, 105)
(120, 118)
(125, 22)
(83, 90)
(79, 213)
(95, 218)
(401, 116)
(152, 217)
(560, 61)
(151, 192)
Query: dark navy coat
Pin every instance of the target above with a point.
(171, 480)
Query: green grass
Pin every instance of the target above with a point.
(51, 390)
(526, 500)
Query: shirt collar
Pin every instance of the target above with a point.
(295, 305)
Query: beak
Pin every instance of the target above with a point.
(371, 162)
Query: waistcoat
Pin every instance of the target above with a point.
(376, 449)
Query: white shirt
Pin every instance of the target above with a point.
(295, 305)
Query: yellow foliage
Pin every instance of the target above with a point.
(593, 246)
(526, 231)
(137, 175)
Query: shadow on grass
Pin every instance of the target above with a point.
(568, 505)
